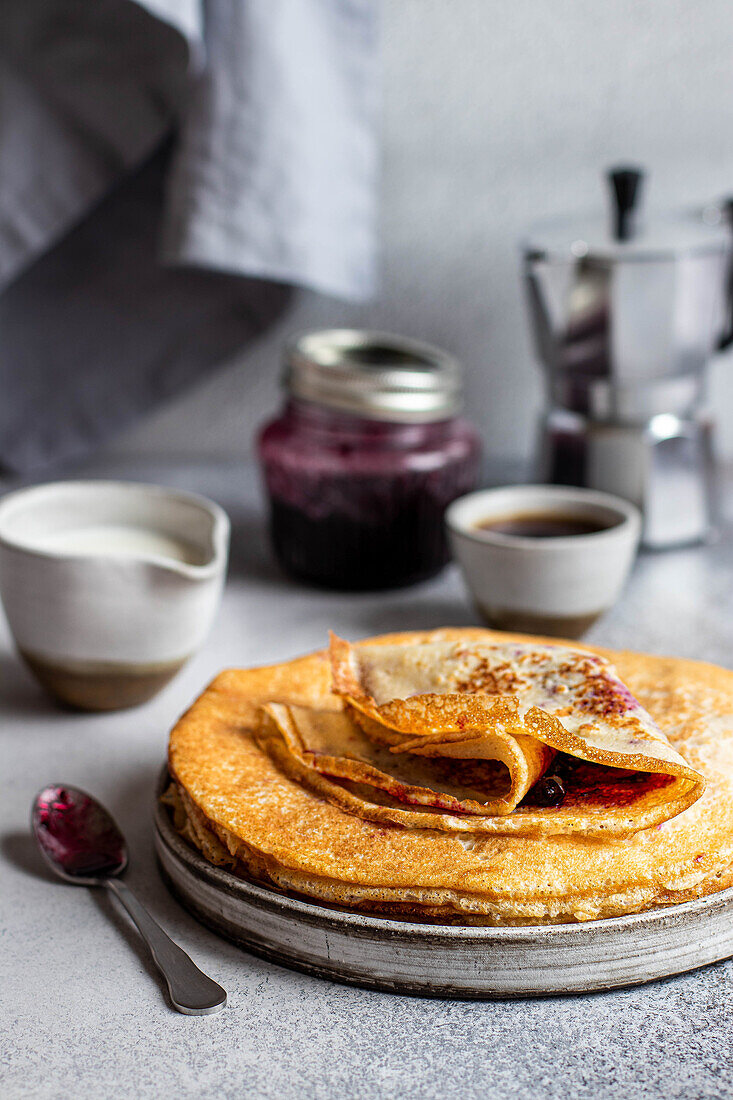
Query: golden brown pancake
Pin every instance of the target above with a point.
(442, 686)
(332, 744)
(284, 832)
(453, 735)
(330, 752)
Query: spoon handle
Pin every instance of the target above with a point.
(190, 989)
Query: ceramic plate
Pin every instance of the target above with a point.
(443, 960)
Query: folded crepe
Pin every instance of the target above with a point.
(465, 737)
(247, 791)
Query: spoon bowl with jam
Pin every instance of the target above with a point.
(543, 559)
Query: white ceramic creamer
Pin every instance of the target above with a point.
(109, 587)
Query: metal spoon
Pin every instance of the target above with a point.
(84, 846)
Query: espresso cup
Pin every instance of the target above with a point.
(555, 585)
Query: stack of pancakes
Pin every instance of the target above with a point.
(462, 776)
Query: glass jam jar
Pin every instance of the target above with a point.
(364, 458)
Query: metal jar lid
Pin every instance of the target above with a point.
(374, 375)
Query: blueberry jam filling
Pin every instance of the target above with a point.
(549, 791)
(580, 783)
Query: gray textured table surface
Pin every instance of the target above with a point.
(83, 1013)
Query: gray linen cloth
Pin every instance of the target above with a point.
(130, 261)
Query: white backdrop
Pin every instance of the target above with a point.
(495, 114)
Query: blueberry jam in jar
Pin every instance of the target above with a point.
(362, 462)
